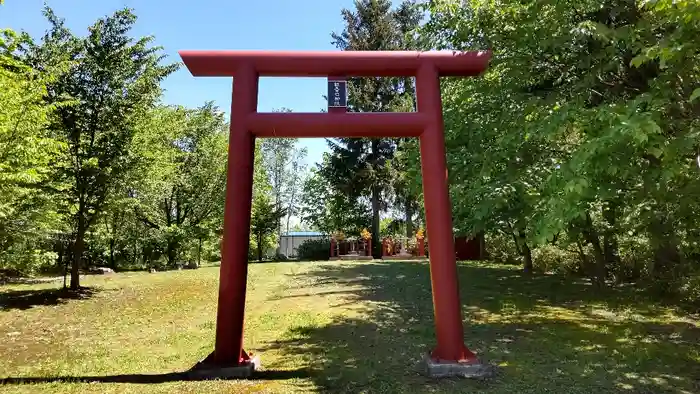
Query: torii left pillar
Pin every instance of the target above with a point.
(450, 357)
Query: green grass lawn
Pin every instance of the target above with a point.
(353, 327)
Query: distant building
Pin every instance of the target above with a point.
(289, 242)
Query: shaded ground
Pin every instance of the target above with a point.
(29, 298)
(348, 327)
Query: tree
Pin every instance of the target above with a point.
(29, 213)
(264, 220)
(277, 153)
(585, 112)
(326, 209)
(284, 164)
(261, 180)
(406, 195)
(294, 185)
(358, 167)
(315, 202)
(181, 193)
(115, 79)
(261, 189)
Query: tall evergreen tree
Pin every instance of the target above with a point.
(358, 167)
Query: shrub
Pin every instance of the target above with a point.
(281, 257)
(550, 258)
(635, 257)
(501, 248)
(690, 291)
(314, 249)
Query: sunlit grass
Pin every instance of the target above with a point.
(347, 327)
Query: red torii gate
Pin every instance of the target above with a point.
(246, 124)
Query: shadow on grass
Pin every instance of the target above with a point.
(27, 299)
(548, 334)
(147, 379)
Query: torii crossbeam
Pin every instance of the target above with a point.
(427, 124)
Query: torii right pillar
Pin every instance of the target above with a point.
(450, 356)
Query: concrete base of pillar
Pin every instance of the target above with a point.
(445, 369)
(206, 370)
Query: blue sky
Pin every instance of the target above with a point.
(212, 24)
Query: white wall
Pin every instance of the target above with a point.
(289, 244)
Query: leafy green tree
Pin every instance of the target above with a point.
(277, 152)
(29, 213)
(183, 190)
(261, 188)
(284, 163)
(582, 132)
(264, 220)
(297, 168)
(115, 80)
(261, 180)
(314, 202)
(327, 209)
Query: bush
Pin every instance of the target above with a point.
(500, 248)
(25, 261)
(690, 291)
(635, 258)
(550, 258)
(314, 249)
(281, 257)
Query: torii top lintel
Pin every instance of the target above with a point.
(332, 63)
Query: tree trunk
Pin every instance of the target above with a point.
(584, 264)
(593, 238)
(666, 254)
(375, 221)
(526, 253)
(172, 252)
(522, 248)
(78, 249)
(199, 253)
(66, 262)
(610, 248)
(600, 270)
(286, 249)
(409, 217)
(136, 252)
(278, 208)
(260, 249)
(662, 236)
(481, 238)
(112, 262)
(376, 247)
(59, 256)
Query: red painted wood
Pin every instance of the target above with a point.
(467, 248)
(246, 124)
(438, 217)
(356, 124)
(421, 247)
(325, 63)
(239, 193)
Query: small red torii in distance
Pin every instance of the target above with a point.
(246, 123)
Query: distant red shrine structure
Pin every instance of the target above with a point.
(246, 124)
